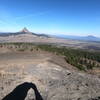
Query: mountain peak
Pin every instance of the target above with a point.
(25, 30)
(91, 36)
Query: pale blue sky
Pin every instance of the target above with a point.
(70, 17)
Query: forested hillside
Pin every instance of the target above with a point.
(81, 59)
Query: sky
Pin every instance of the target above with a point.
(64, 17)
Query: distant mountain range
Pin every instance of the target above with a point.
(83, 38)
(23, 31)
(26, 31)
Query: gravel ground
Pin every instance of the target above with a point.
(55, 79)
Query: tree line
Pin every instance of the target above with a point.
(82, 59)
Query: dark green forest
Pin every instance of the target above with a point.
(82, 59)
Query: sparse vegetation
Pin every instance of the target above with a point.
(82, 59)
(45, 66)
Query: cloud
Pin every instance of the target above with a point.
(30, 15)
(7, 23)
(15, 21)
(3, 22)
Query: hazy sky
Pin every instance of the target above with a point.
(70, 17)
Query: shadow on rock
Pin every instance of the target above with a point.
(20, 92)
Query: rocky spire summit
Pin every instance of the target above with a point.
(25, 30)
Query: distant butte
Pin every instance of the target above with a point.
(25, 30)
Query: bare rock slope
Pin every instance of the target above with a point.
(55, 80)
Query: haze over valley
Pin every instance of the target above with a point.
(26, 36)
